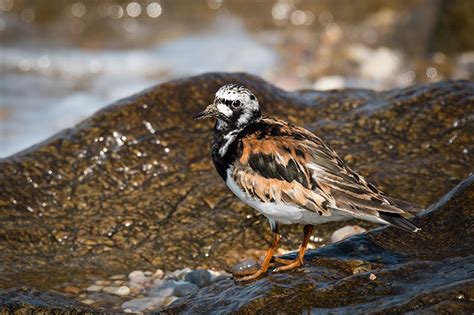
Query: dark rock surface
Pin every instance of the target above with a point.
(29, 301)
(383, 271)
(133, 187)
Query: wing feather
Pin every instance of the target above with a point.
(287, 164)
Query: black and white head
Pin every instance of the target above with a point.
(234, 107)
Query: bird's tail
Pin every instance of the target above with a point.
(397, 220)
(404, 205)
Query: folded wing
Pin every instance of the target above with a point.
(283, 163)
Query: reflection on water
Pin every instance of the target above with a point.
(63, 60)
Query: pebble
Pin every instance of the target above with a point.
(103, 282)
(137, 276)
(218, 275)
(88, 301)
(94, 288)
(71, 290)
(246, 264)
(372, 277)
(152, 290)
(199, 277)
(120, 291)
(159, 274)
(139, 305)
(345, 232)
(179, 274)
(170, 299)
(172, 288)
(184, 289)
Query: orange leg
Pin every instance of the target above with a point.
(298, 261)
(266, 261)
(253, 273)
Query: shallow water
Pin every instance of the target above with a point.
(60, 61)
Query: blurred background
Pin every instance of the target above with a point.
(62, 60)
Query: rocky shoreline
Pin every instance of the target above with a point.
(379, 272)
(133, 188)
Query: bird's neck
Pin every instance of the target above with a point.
(223, 138)
(224, 149)
(226, 133)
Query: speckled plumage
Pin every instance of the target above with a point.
(286, 172)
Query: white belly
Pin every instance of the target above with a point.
(284, 213)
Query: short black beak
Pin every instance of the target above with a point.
(210, 111)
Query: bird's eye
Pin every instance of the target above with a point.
(236, 104)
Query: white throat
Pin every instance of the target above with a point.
(229, 138)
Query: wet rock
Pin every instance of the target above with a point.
(345, 232)
(383, 271)
(138, 180)
(30, 301)
(199, 277)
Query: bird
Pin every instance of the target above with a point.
(289, 175)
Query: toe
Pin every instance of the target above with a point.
(293, 265)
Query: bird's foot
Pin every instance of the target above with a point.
(250, 273)
(283, 261)
(291, 265)
(252, 276)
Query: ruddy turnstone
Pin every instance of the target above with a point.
(288, 174)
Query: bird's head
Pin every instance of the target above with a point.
(234, 107)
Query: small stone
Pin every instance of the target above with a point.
(184, 289)
(118, 282)
(218, 275)
(199, 277)
(71, 289)
(178, 288)
(158, 282)
(137, 276)
(88, 301)
(136, 291)
(103, 282)
(120, 291)
(118, 277)
(168, 300)
(139, 305)
(136, 286)
(164, 288)
(372, 277)
(179, 274)
(94, 288)
(148, 273)
(246, 264)
(345, 232)
(159, 274)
